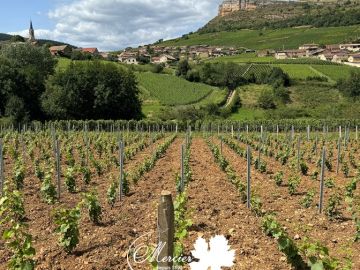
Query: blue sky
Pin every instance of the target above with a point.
(106, 24)
(15, 14)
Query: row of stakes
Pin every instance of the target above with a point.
(183, 150)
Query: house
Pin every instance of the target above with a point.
(130, 60)
(64, 50)
(332, 47)
(309, 47)
(265, 53)
(350, 47)
(124, 56)
(326, 56)
(163, 59)
(93, 51)
(340, 57)
(354, 58)
(104, 55)
(291, 54)
(280, 55)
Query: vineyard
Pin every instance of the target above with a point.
(76, 195)
(171, 90)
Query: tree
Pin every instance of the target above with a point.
(233, 76)
(278, 77)
(351, 86)
(183, 68)
(17, 38)
(16, 109)
(24, 70)
(92, 90)
(13, 86)
(282, 94)
(266, 100)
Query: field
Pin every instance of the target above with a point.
(89, 224)
(335, 72)
(289, 38)
(171, 90)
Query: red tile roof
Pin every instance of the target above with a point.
(90, 50)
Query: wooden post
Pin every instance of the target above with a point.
(166, 231)
(338, 156)
(58, 168)
(277, 131)
(2, 180)
(322, 176)
(262, 132)
(232, 131)
(248, 188)
(247, 129)
(121, 162)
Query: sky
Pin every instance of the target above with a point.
(106, 24)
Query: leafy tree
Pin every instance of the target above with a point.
(158, 68)
(23, 71)
(92, 90)
(17, 38)
(351, 86)
(183, 68)
(25, 57)
(266, 100)
(282, 94)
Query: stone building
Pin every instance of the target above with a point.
(31, 33)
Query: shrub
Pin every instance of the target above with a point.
(91, 201)
(67, 221)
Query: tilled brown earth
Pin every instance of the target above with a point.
(105, 246)
(216, 209)
(337, 235)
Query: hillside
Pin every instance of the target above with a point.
(280, 25)
(270, 39)
(7, 37)
(282, 15)
(4, 37)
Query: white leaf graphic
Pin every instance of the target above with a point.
(219, 255)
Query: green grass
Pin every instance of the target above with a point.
(216, 97)
(313, 95)
(335, 72)
(63, 63)
(297, 71)
(249, 94)
(270, 39)
(247, 114)
(151, 108)
(172, 90)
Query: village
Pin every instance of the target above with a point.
(348, 54)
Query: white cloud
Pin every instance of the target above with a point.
(115, 24)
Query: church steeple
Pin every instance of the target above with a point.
(31, 33)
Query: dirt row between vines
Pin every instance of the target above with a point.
(338, 236)
(215, 209)
(104, 246)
